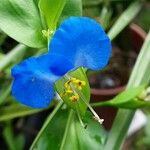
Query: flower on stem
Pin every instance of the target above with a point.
(34, 79)
(83, 42)
(78, 42)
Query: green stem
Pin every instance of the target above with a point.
(140, 75)
(49, 118)
(5, 93)
(16, 110)
(9, 136)
(12, 55)
(105, 15)
(100, 104)
(125, 18)
(66, 130)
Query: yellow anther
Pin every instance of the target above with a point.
(79, 87)
(66, 92)
(73, 79)
(70, 86)
(79, 84)
(69, 91)
(67, 85)
(74, 98)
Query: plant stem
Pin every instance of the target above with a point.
(16, 110)
(9, 136)
(12, 55)
(49, 118)
(125, 18)
(78, 92)
(140, 75)
(66, 129)
(100, 104)
(5, 93)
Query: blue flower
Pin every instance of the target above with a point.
(83, 42)
(79, 41)
(34, 79)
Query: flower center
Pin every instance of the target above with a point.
(73, 88)
(70, 88)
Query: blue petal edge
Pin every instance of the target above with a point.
(83, 41)
(34, 79)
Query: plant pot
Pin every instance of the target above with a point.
(108, 83)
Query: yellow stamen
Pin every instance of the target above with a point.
(74, 98)
(79, 84)
(76, 83)
(67, 84)
(69, 91)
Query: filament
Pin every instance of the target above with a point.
(78, 92)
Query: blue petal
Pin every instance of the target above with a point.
(34, 79)
(83, 42)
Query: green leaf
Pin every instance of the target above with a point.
(20, 141)
(2, 37)
(140, 75)
(105, 16)
(127, 95)
(9, 137)
(72, 8)
(45, 136)
(51, 10)
(79, 106)
(134, 104)
(64, 132)
(91, 138)
(13, 55)
(51, 137)
(14, 142)
(129, 99)
(91, 2)
(4, 92)
(14, 111)
(20, 19)
(2, 55)
(125, 18)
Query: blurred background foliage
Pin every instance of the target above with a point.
(20, 124)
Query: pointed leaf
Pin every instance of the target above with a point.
(127, 95)
(72, 8)
(51, 136)
(51, 10)
(16, 110)
(91, 138)
(20, 19)
(130, 99)
(76, 137)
